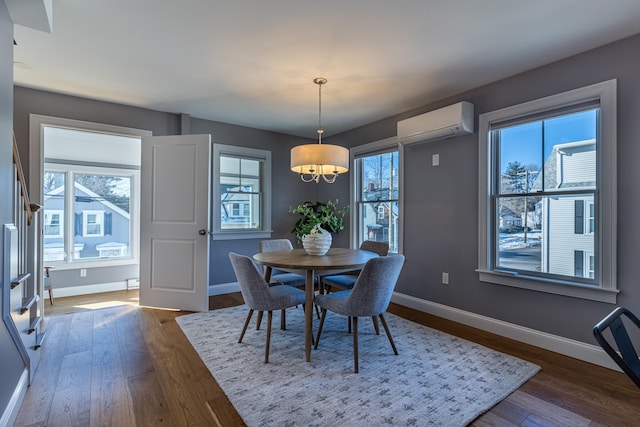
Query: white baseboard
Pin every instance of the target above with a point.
(568, 347)
(89, 289)
(13, 407)
(224, 288)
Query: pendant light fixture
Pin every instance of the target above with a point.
(312, 161)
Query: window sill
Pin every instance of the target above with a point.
(238, 235)
(558, 287)
(76, 265)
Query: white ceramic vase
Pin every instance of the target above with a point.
(317, 242)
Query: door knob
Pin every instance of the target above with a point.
(202, 232)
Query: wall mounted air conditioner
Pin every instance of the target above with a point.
(447, 122)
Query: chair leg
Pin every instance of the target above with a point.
(51, 295)
(246, 324)
(283, 320)
(349, 324)
(386, 329)
(266, 349)
(355, 344)
(259, 320)
(317, 311)
(324, 314)
(375, 324)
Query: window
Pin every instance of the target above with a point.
(89, 184)
(92, 222)
(53, 224)
(375, 205)
(547, 194)
(99, 211)
(241, 193)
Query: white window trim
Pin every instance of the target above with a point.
(99, 221)
(605, 92)
(36, 169)
(374, 148)
(588, 218)
(263, 155)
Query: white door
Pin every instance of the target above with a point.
(174, 222)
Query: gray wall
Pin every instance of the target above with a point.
(441, 203)
(11, 365)
(288, 190)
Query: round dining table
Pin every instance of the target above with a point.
(334, 261)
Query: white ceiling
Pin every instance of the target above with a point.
(252, 62)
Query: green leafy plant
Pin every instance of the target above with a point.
(326, 214)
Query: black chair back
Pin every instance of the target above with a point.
(627, 359)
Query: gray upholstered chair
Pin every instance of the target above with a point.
(258, 295)
(280, 277)
(370, 296)
(347, 280)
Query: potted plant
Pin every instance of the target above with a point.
(324, 215)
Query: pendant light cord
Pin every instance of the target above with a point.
(320, 131)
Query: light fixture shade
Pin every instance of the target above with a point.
(312, 161)
(320, 159)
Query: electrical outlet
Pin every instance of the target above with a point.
(445, 278)
(435, 160)
(83, 272)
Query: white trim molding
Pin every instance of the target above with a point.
(99, 288)
(568, 347)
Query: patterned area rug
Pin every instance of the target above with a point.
(436, 380)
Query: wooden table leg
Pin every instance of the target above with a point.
(308, 315)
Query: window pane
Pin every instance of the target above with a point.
(230, 170)
(552, 238)
(379, 222)
(379, 176)
(520, 157)
(101, 221)
(570, 141)
(250, 168)
(555, 154)
(519, 236)
(54, 208)
(240, 211)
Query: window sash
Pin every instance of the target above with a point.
(89, 223)
(388, 232)
(92, 223)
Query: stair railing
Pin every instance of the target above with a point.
(25, 294)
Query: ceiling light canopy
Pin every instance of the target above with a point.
(312, 161)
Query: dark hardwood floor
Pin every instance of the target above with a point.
(126, 365)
